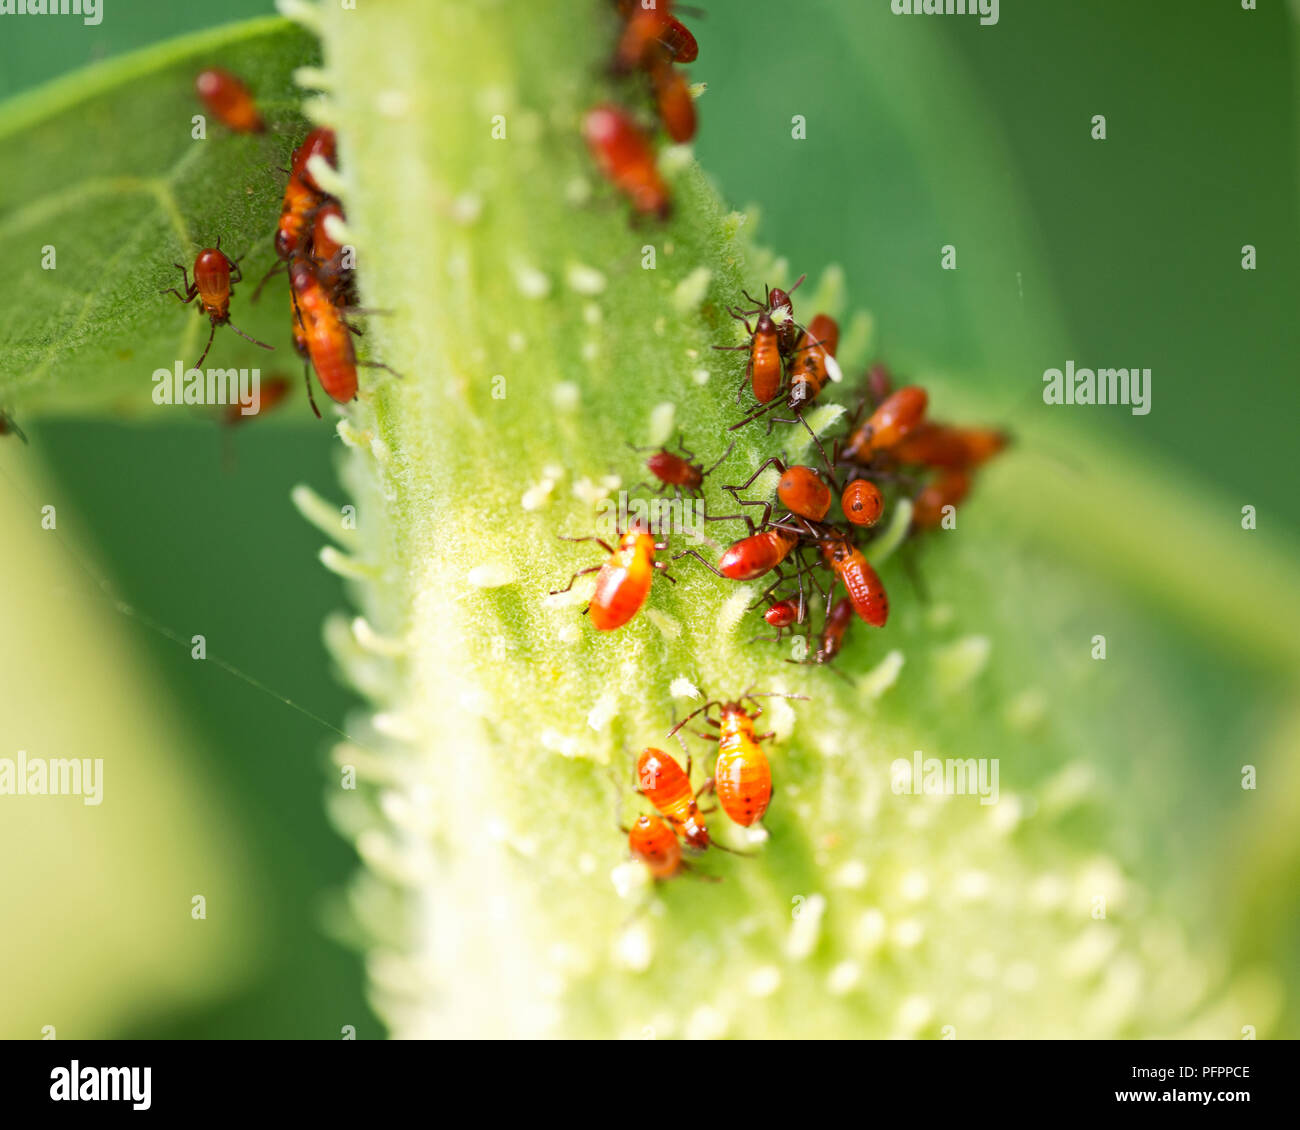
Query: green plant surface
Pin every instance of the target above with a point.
(505, 709)
(496, 898)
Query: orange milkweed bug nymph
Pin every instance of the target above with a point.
(896, 416)
(214, 273)
(948, 489)
(9, 427)
(862, 502)
(678, 41)
(814, 359)
(674, 102)
(626, 158)
(831, 641)
(300, 201)
(228, 100)
(861, 582)
(668, 787)
(800, 490)
(653, 842)
(755, 555)
(320, 142)
(274, 389)
(879, 382)
(624, 579)
(326, 335)
(652, 35)
(678, 471)
(950, 448)
(742, 777)
(770, 339)
(764, 371)
(784, 614)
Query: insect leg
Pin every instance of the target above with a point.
(579, 573)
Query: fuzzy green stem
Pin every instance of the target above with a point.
(534, 345)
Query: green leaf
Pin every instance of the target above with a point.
(102, 167)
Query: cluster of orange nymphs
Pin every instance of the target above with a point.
(321, 273)
(897, 450)
(652, 42)
(320, 267)
(741, 780)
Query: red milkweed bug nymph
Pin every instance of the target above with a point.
(949, 488)
(831, 641)
(273, 390)
(755, 555)
(679, 471)
(814, 359)
(624, 579)
(764, 371)
(679, 42)
(674, 102)
(861, 582)
(320, 142)
(950, 448)
(214, 273)
(800, 490)
(228, 100)
(742, 777)
(896, 416)
(627, 159)
(784, 614)
(862, 502)
(325, 333)
(668, 787)
(653, 842)
(834, 630)
(653, 35)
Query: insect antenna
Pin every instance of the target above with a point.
(775, 402)
(720, 461)
(691, 715)
(276, 269)
(246, 337)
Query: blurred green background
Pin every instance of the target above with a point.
(1124, 252)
